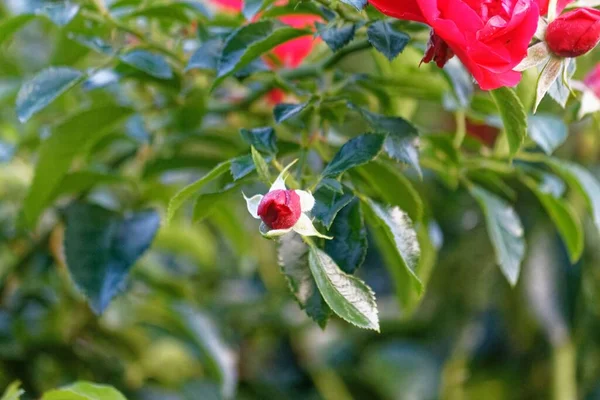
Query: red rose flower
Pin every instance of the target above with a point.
(592, 81)
(280, 209)
(560, 6)
(490, 37)
(574, 33)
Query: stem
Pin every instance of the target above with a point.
(564, 371)
(461, 128)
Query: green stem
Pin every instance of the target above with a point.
(564, 371)
(461, 128)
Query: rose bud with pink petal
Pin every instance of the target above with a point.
(574, 33)
(280, 209)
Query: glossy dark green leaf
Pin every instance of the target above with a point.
(293, 260)
(506, 232)
(547, 131)
(262, 168)
(355, 152)
(190, 190)
(402, 136)
(336, 35)
(250, 42)
(393, 188)
(349, 297)
(45, 87)
(207, 56)
(151, 63)
(332, 184)
(386, 39)
(581, 180)
(241, 167)
(348, 248)
(84, 391)
(397, 240)
(71, 138)
(101, 246)
(514, 117)
(262, 139)
(283, 111)
(328, 203)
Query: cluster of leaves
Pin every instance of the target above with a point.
(130, 138)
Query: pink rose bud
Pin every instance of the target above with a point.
(592, 81)
(574, 33)
(280, 209)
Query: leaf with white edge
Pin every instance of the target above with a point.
(219, 360)
(357, 151)
(14, 392)
(402, 137)
(506, 232)
(348, 248)
(565, 219)
(207, 55)
(514, 117)
(358, 4)
(548, 131)
(71, 138)
(44, 88)
(283, 111)
(536, 55)
(101, 246)
(397, 240)
(262, 139)
(335, 34)
(262, 168)
(560, 90)
(9, 26)
(386, 39)
(293, 260)
(184, 194)
(305, 227)
(84, 391)
(349, 297)
(548, 76)
(251, 41)
(151, 63)
(581, 180)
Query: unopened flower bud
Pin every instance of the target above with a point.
(574, 33)
(280, 209)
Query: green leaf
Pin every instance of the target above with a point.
(151, 63)
(81, 181)
(172, 11)
(44, 88)
(583, 182)
(184, 194)
(397, 240)
(101, 246)
(505, 231)
(202, 333)
(328, 203)
(207, 56)
(251, 8)
(262, 168)
(358, 4)
(357, 151)
(71, 138)
(349, 297)
(283, 111)
(402, 136)
(386, 39)
(513, 117)
(348, 248)
(548, 131)
(241, 167)
(13, 392)
(335, 34)
(84, 391)
(393, 188)
(262, 139)
(461, 82)
(11, 25)
(250, 42)
(565, 219)
(293, 260)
